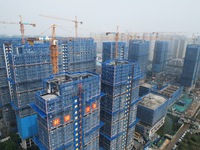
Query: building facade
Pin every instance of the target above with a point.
(191, 66)
(26, 66)
(138, 52)
(8, 113)
(68, 111)
(79, 54)
(109, 48)
(120, 83)
(151, 112)
(160, 56)
(182, 48)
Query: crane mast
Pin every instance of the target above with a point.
(116, 41)
(76, 22)
(21, 24)
(22, 29)
(54, 50)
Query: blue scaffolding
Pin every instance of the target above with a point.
(191, 65)
(79, 54)
(120, 83)
(138, 52)
(68, 111)
(108, 51)
(160, 56)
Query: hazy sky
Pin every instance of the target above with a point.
(102, 15)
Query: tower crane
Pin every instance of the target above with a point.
(75, 21)
(21, 23)
(154, 35)
(116, 41)
(53, 47)
(54, 50)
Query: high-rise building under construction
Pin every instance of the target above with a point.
(191, 66)
(79, 54)
(120, 83)
(8, 113)
(182, 48)
(68, 110)
(109, 51)
(138, 52)
(26, 66)
(160, 56)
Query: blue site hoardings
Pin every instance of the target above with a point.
(76, 92)
(79, 54)
(120, 83)
(27, 126)
(109, 48)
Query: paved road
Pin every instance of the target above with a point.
(177, 136)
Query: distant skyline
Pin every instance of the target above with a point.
(102, 16)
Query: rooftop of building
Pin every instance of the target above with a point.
(60, 79)
(116, 62)
(193, 45)
(147, 85)
(119, 42)
(159, 41)
(48, 96)
(139, 41)
(68, 77)
(169, 90)
(152, 101)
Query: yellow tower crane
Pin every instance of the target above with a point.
(116, 41)
(53, 47)
(54, 50)
(75, 21)
(21, 23)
